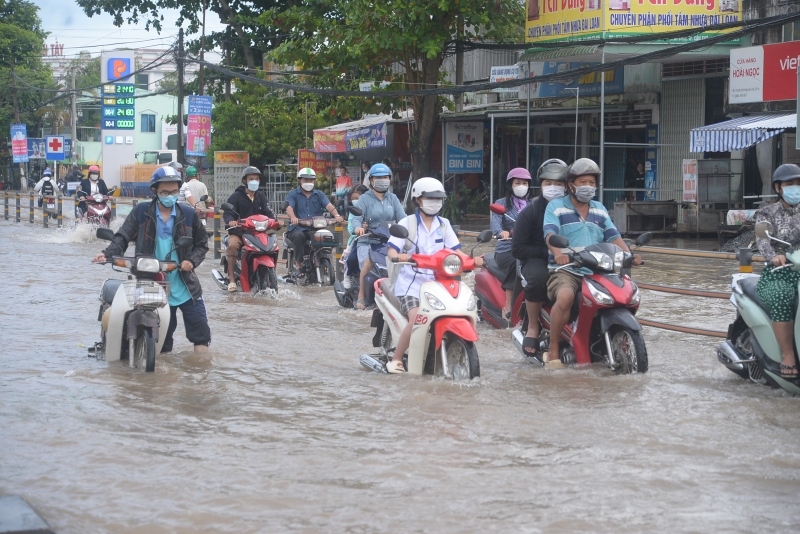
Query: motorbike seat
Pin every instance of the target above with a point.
(748, 286)
(491, 264)
(110, 289)
(388, 292)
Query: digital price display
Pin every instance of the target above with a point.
(119, 106)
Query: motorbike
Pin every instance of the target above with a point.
(133, 311)
(602, 326)
(317, 265)
(255, 266)
(49, 206)
(443, 336)
(377, 236)
(489, 290)
(98, 213)
(751, 349)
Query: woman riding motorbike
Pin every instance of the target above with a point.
(777, 286)
(91, 186)
(349, 260)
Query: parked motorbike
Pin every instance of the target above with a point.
(133, 311)
(378, 237)
(98, 213)
(751, 349)
(443, 336)
(317, 265)
(255, 267)
(602, 325)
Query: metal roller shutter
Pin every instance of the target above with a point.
(682, 108)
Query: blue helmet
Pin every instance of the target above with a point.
(47, 172)
(165, 174)
(379, 169)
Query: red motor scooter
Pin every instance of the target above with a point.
(602, 325)
(255, 267)
(97, 211)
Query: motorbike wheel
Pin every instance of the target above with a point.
(462, 358)
(144, 348)
(267, 278)
(326, 273)
(629, 349)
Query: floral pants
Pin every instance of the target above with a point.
(778, 289)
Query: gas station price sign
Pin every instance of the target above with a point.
(119, 106)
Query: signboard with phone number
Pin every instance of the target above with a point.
(119, 106)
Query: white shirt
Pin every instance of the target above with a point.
(94, 187)
(194, 189)
(410, 279)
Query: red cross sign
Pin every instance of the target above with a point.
(55, 145)
(55, 148)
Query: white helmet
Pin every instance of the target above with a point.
(428, 187)
(306, 172)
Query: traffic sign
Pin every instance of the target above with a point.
(54, 147)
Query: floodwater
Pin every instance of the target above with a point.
(279, 429)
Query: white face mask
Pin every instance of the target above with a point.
(431, 206)
(552, 191)
(94, 177)
(520, 191)
(307, 186)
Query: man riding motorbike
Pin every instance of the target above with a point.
(247, 200)
(305, 202)
(584, 222)
(155, 226)
(378, 205)
(193, 190)
(528, 246)
(46, 186)
(90, 186)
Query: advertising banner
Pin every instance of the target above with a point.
(589, 83)
(690, 180)
(373, 136)
(764, 73)
(555, 20)
(329, 141)
(464, 151)
(19, 143)
(502, 74)
(37, 149)
(232, 157)
(198, 129)
(651, 161)
(308, 158)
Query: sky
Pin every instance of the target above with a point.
(69, 25)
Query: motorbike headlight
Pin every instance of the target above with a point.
(320, 222)
(473, 303)
(637, 296)
(148, 265)
(98, 198)
(434, 302)
(618, 257)
(260, 226)
(452, 265)
(599, 295)
(604, 261)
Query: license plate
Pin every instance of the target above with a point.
(51, 206)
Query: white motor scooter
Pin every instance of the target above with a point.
(443, 336)
(133, 312)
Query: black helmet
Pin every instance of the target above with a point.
(785, 173)
(250, 170)
(552, 169)
(581, 167)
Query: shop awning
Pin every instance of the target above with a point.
(365, 133)
(572, 52)
(740, 133)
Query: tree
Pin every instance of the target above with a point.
(348, 39)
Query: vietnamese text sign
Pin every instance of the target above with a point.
(329, 141)
(690, 180)
(554, 20)
(502, 74)
(589, 84)
(119, 106)
(764, 73)
(198, 129)
(307, 158)
(373, 136)
(232, 157)
(464, 151)
(19, 143)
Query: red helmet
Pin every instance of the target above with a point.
(94, 168)
(519, 173)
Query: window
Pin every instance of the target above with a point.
(142, 81)
(148, 123)
(791, 31)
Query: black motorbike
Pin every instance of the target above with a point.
(377, 236)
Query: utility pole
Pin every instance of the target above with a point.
(23, 182)
(179, 61)
(459, 99)
(74, 119)
(202, 52)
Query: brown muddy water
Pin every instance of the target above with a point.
(279, 429)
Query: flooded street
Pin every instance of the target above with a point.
(279, 429)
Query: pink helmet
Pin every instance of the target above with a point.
(519, 173)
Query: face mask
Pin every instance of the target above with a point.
(552, 191)
(307, 186)
(253, 185)
(94, 177)
(381, 186)
(520, 190)
(585, 193)
(432, 206)
(169, 201)
(791, 194)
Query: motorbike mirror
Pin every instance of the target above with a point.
(497, 209)
(485, 236)
(106, 234)
(228, 207)
(763, 228)
(587, 260)
(644, 239)
(354, 211)
(558, 241)
(203, 198)
(284, 205)
(185, 241)
(398, 231)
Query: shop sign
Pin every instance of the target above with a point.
(464, 150)
(231, 157)
(329, 141)
(589, 84)
(690, 180)
(502, 74)
(557, 20)
(308, 158)
(764, 73)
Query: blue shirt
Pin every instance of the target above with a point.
(499, 223)
(562, 218)
(377, 211)
(178, 292)
(306, 207)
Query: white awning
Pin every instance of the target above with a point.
(738, 134)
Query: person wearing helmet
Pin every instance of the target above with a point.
(193, 190)
(304, 202)
(778, 287)
(584, 222)
(428, 233)
(247, 200)
(90, 186)
(528, 247)
(46, 186)
(378, 205)
(155, 227)
(75, 174)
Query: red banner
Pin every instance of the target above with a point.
(307, 158)
(329, 141)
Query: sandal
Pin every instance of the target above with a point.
(554, 363)
(395, 368)
(788, 372)
(529, 343)
(361, 304)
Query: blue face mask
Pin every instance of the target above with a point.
(791, 194)
(169, 201)
(253, 185)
